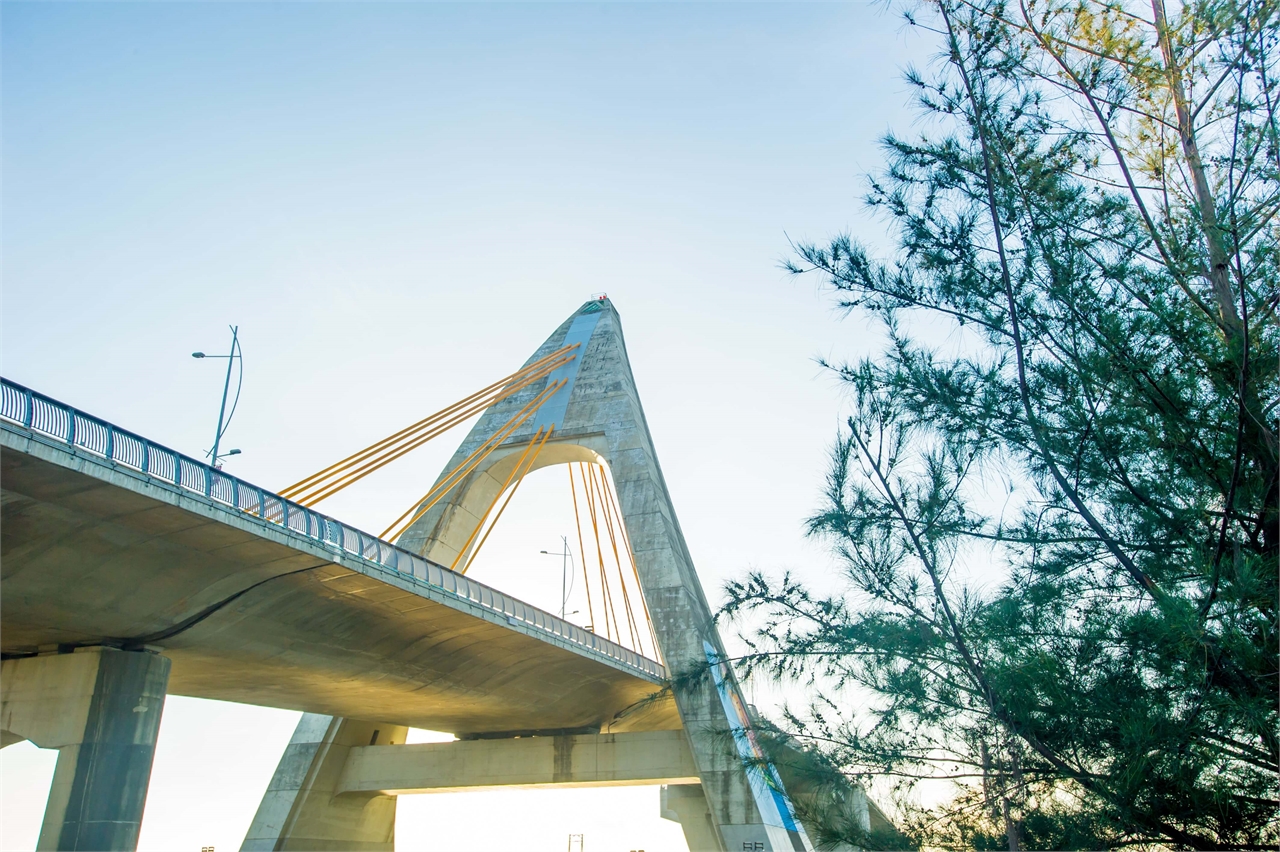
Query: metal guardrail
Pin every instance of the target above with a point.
(46, 416)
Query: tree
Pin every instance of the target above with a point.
(1055, 503)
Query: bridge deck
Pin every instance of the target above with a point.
(93, 551)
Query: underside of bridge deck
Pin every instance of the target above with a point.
(94, 556)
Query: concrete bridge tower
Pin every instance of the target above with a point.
(739, 803)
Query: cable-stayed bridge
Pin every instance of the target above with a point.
(131, 571)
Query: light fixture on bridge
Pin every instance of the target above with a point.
(223, 423)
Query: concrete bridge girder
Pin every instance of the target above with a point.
(334, 792)
(571, 760)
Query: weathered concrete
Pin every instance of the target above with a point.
(101, 708)
(572, 760)
(598, 417)
(301, 809)
(686, 805)
(91, 553)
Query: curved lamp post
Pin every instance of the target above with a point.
(236, 353)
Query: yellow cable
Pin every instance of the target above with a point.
(494, 501)
(427, 421)
(456, 475)
(635, 570)
(507, 502)
(328, 490)
(481, 452)
(321, 490)
(604, 580)
(604, 592)
(577, 519)
(305, 484)
(626, 597)
(617, 560)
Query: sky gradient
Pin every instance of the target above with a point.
(397, 203)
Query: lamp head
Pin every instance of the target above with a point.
(197, 354)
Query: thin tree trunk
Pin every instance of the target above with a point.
(1011, 828)
(1218, 271)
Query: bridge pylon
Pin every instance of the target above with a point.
(729, 797)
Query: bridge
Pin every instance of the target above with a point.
(131, 571)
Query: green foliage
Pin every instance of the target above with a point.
(1055, 504)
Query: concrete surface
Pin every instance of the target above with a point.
(572, 760)
(100, 708)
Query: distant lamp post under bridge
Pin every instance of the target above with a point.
(566, 575)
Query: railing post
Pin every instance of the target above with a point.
(262, 505)
(71, 426)
(111, 442)
(28, 415)
(146, 455)
(208, 482)
(177, 469)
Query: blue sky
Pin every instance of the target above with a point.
(397, 203)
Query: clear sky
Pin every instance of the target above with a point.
(397, 203)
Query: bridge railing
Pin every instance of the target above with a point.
(62, 423)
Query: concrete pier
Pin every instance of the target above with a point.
(101, 708)
(686, 804)
(302, 810)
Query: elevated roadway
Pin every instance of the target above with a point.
(97, 552)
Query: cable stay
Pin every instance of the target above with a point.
(522, 469)
(331, 480)
(577, 519)
(631, 557)
(599, 500)
(602, 510)
(445, 485)
(599, 482)
(609, 611)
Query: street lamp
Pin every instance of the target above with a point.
(223, 423)
(565, 561)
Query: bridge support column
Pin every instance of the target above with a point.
(685, 804)
(301, 809)
(100, 707)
